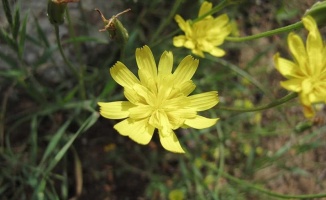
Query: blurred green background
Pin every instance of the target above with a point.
(54, 144)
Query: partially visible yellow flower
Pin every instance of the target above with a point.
(204, 35)
(176, 195)
(158, 99)
(307, 73)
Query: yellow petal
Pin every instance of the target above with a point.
(204, 8)
(170, 142)
(217, 52)
(285, 67)
(133, 96)
(139, 131)
(179, 41)
(308, 111)
(304, 99)
(198, 52)
(294, 85)
(221, 21)
(182, 23)
(297, 49)
(200, 122)
(115, 110)
(165, 64)
(159, 120)
(122, 75)
(183, 113)
(307, 86)
(186, 88)
(145, 94)
(317, 97)
(176, 102)
(185, 70)
(190, 44)
(140, 112)
(147, 80)
(314, 45)
(203, 101)
(145, 61)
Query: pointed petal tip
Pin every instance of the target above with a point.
(171, 142)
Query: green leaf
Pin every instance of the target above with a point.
(54, 141)
(86, 125)
(22, 37)
(41, 33)
(45, 56)
(33, 139)
(6, 8)
(12, 73)
(16, 25)
(9, 41)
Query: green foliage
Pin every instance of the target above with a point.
(54, 145)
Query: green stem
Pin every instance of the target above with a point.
(221, 150)
(167, 20)
(79, 76)
(164, 38)
(288, 28)
(268, 192)
(264, 107)
(242, 73)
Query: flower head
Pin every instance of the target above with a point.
(204, 35)
(158, 99)
(307, 73)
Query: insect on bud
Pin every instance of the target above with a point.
(57, 9)
(114, 27)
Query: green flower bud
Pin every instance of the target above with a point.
(57, 9)
(318, 12)
(115, 28)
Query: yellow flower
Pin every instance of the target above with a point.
(307, 73)
(204, 35)
(158, 99)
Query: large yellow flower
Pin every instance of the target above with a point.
(204, 35)
(158, 99)
(307, 73)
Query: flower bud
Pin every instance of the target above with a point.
(57, 9)
(115, 28)
(318, 12)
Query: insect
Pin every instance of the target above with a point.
(115, 27)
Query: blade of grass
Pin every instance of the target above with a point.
(242, 73)
(54, 141)
(86, 125)
(40, 33)
(16, 25)
(9, 41)
(22, 37)
(12, 73)
(33, 140)
(6, 8)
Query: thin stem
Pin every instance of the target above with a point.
(242, 73)
(167, 20)
(71, 67)
(221, 150)
(288, 28)
(264, 107)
